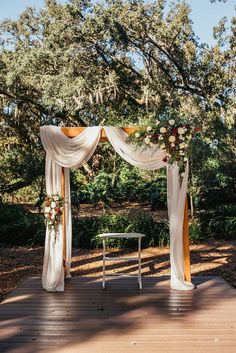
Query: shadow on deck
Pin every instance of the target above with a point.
(86, 319)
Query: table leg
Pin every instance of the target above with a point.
(103, 267)
(139, 264)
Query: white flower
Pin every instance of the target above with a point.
(52, 216)
(190, 136)
(149, 128)
(61, 209)
(181, 137)
(173, 144)
(56, 198)
(182, 145)
(162, 146)
(147, 140)
(180, 131)
(181, 152)
(185, 159)
(137, 134)
(53, 204)
(172, 122)
(47, 209)
(186, 145)
(157, 122)
(163, 130)
(161, 138)
(172, 138)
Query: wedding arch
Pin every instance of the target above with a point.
(68, 147)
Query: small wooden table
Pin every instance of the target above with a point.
(105, 236)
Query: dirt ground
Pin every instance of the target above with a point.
(130, 208)
(212, 259)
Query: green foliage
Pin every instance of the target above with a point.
(108, 178)
(128, 185)
(218, 223)
(53, 71)
(117, 63)
(21, 160)
(213, 175)
(85, 230)
(195, 233)
(19, 227)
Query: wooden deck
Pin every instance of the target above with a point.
(121, 319)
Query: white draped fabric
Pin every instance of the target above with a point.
(74, 152)
(62, 151)
(150, 159)
(176, 195)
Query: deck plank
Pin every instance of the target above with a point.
(120, 319)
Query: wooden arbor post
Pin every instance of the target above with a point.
(74, 131)
(186, 247)
(63, 194)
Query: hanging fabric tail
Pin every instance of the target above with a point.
(62, 152)
(176, 195)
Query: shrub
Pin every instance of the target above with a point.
(85, 230)
(127, 184)
(19, 227)
(219, 223)
(195, 233)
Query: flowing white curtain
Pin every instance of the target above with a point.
(53, 271)
(152, 158)
(176, 196)
(146, 158)
(62, 152)
(65, 152)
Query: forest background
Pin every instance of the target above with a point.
(122, 63)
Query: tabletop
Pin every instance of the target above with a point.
(121, 235)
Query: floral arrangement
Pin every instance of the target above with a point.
(53, 210)
(170, 136)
